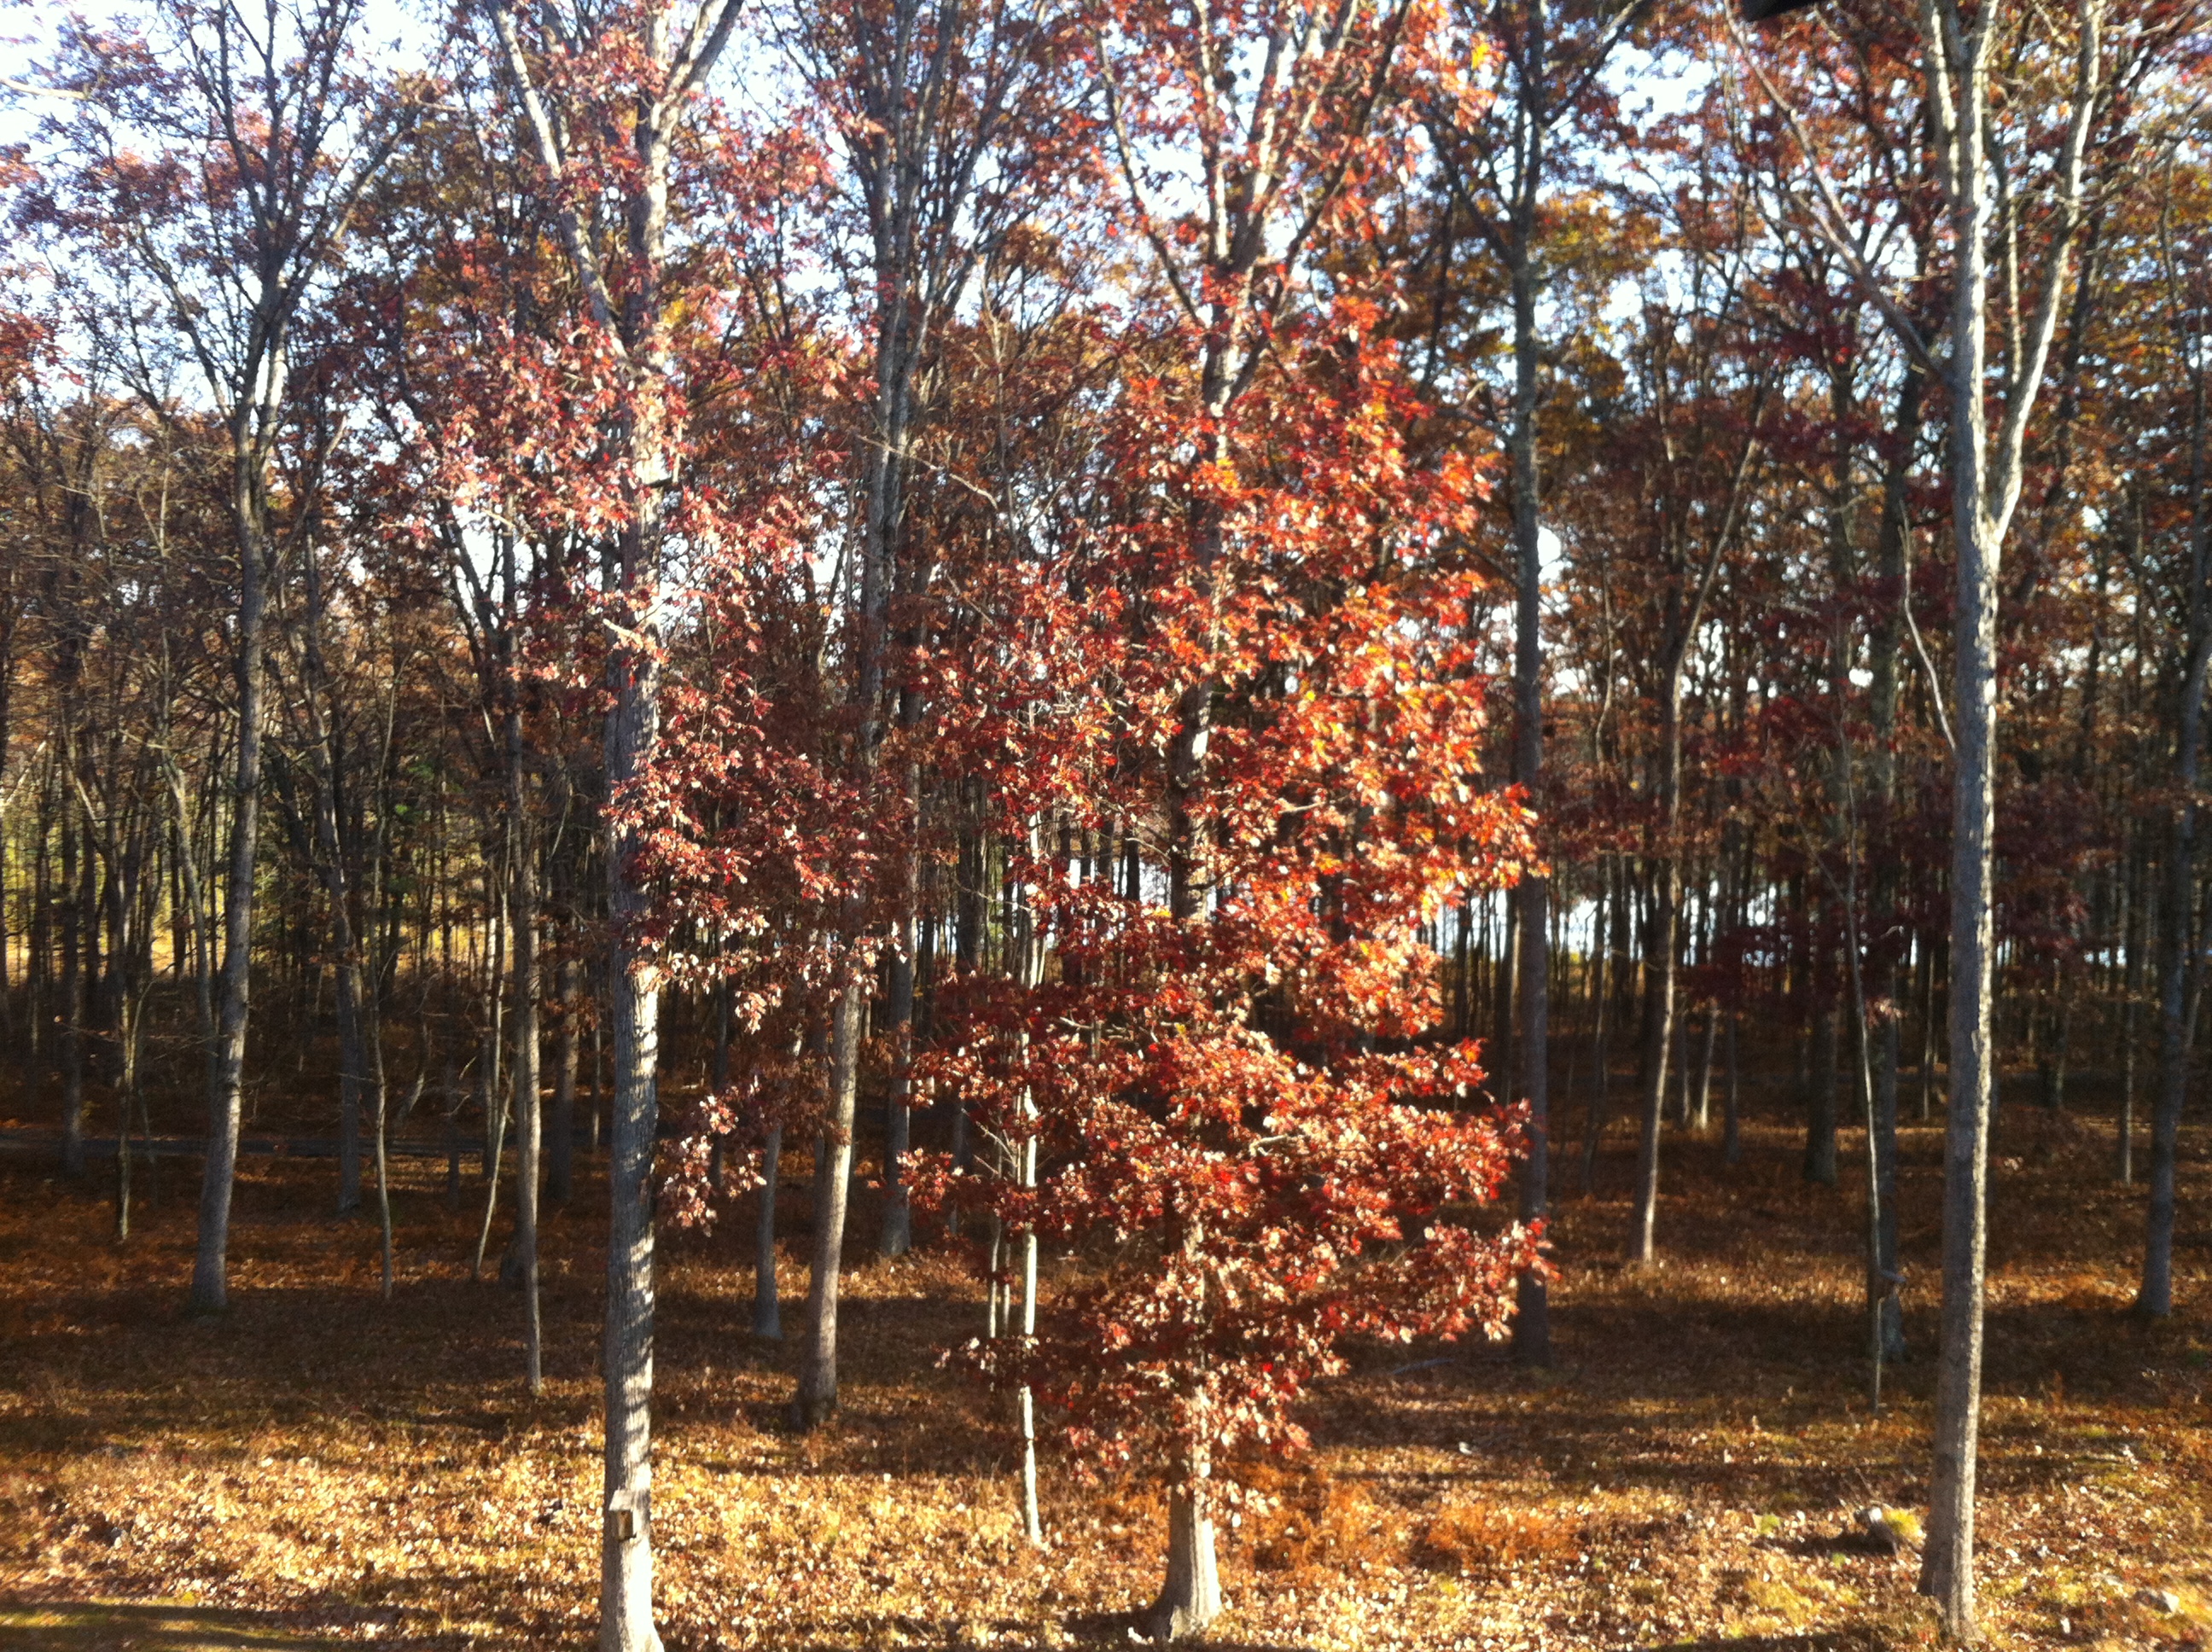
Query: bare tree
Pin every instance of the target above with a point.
(2011, 173)
(267, 132)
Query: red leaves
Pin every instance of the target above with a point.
(1243, 1117)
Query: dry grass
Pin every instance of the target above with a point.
(320, 1467)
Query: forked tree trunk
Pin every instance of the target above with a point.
(648, 438)
(1985, 484)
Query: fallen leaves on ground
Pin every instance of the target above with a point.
(320, 1466)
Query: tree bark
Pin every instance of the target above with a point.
(1985, 485)
(75, 858)
(832, 1175)
(898, 1234)
(559, 1161)
(1190, 1599)
(768, 1309)
(1532, 1325)
(227, 1068)
(1659, 941)
(1885, 985)
(626, 1548)
(1821, 1089)
(523, 1065)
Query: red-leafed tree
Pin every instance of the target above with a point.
(1253, 669)
(1236, 1093)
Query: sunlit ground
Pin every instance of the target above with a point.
(320, 1466)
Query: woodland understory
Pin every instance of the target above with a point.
(1022, 763)
(324, 1467)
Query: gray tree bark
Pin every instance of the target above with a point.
(1985, 485)
(832, 1175)
(646, 437)
(1190, 1598)
(524, 1021)
(226, 1075)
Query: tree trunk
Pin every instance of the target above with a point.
(1658, 1026)
(1946, 1565)
(1601, 996)
(2138, 887)
(1819, 1163)
(1884, 985)
(72, 990)
(626, 1547)
(1190, 1599)
(560, 1161)
(527, 1118)
(1985, 485)
(1701, 1090)
(1659, 973)
(490, 1042)
(1531, 1325)
(1731, 1098)
(1032, 1520)
(2155, 1299)
(227, 1070)
(898, 1234)
(2178, 952)
(39, 987)
(767, 1309)
(833, 1174)
(353, 1059)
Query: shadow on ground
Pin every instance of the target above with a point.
(152, 1626)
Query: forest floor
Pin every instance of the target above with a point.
(322, 1467)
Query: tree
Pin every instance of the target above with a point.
(2013, 170)
(213, 161)
(1209, 1087)
(604, 110)
(1499, 159)
(2188, 305)
(951, 122)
